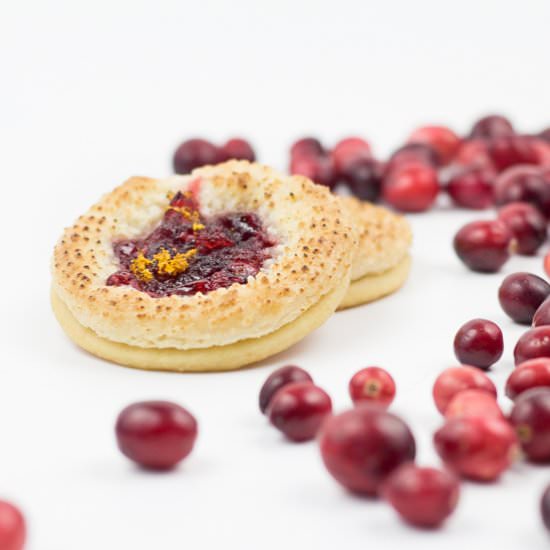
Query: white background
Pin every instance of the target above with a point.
(91, 93)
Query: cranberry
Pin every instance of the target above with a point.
(531, 374)
(457, 379)
(237, 148)
(372, 385)
(484, 246)
(541, 150)
(364, 178)
(308, 146)
(156, 434)
(492, 126)
(361, 447)
(472, 187)
(531, 419)
(194, 153)
(524, 184)
(546, 264)
(474, 153)
(542, 315)
(473, 403)
(534, 343)
(318, 169)
(298, 410)
(440, 138)
(349, 150)
(527, 224)
(476, 447)
(479, 343)
(13, 531)
(510, 151)
(521, 294)
(411, 187)
(424, 497)
(545, 134)
(414, 152)
(545, 508)
(279, 378)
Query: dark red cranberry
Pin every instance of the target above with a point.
(545, 508)
(531, 419)
(279, 378)
(484, 246)
(440, 138)
(492, 126)
(318, 169)
(298, 410)
(194, 153)
(473, 403)
(474, 153)
(156, 434)
(308, 146)
(531, 374)
(414, 152)
(364, 178)
(476, 447)
(542, 315)
(472, 187)
(424, 497)
(349, 150)
(479, 342)
(237, 148)
(521, 294)
(372, 385)
(13, 531)
(527, 224)
(454, 380)
(361, 447)
(533, 343)
(524, 184)
(511, 151)
(411, 187)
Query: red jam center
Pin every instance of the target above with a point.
(187, 253)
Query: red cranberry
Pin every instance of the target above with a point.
(440, 138)
(308, 146)
(531, 374)
(13, 531)
(521, 294)
(372, 385)
(361, 447)
(318, 169)
(534, 343)
(473, 403)
(298, 410)
(424, 497)
(458, 379)
(349, 150)
(279, 378)
(545, 508)
(364, 178)
(541, 150)
(414, 152)
(492, 126)
(474, 153)
(476, 447)
(194, 153)
(527, 224)
(472, 188)
(545, 134)
(479, 342)
(531, 419)
(546, 264)
(542, 315)
(510, 151)
(411, 187)
(484, 246)
(237, 148)
(156, 434)
(524, 184)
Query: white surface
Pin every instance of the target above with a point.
(92, 95)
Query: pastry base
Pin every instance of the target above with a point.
(372, 287)
(216, 358)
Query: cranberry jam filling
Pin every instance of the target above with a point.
(187, 253)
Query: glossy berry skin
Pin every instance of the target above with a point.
(474, 153)
(298, 410)
(473, 403)
(511, 151)
(492, 126)
(531, 418)
(308, 146)
(545, 508)
(440, 138)
(472, 188)
(363, 176)
(237, 148)
(534, 373)
(476, 447)
(156, 434)
(454, 380)
(361, 447)
(484, 246)
(13, 531)
(423, 497)
(349, 150)
(279, 378)
(194, 153)
(411, 187)
(532, 344)
(479, 342)
(527, 224)
(372, 385)
(415, 153)
(542, 315)
(521, 294)
(318, 169)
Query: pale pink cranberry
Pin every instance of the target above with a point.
(440, 138)
(531, 374)
(479, 342)
(13, 531)
(237, 148)
(372, 385)
(474, 153)
(533, 343)
(349, 150)
(527, 224)
(473, 403)
(194, 153)
(492, 126)
(472, 187)
(318, 169)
